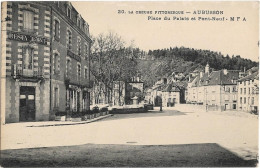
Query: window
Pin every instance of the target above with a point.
(78, 22)
(56, 29)
(56, 63)
(86, 73)
(244, 90)
(253, 100)
(244, 100)
(79, 73)
(241, 90)
(240, 100)
(79, 46)
(227, 89)
(68, 68)
(248, 90)
(56, 97)
(27, 58)
(69, 39)
(68, 12)
(86, 51)
(28, 21)
(244, 83)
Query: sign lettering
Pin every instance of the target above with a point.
(27, 38)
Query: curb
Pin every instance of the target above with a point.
(75, 123)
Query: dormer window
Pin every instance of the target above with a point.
(69, 12)
(69, 7)
(79, 20)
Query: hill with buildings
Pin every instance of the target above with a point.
(163, 62)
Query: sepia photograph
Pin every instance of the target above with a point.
(129, 84)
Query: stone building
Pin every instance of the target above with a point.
(170, 95)
(45, 66)
(248, 92)
(216, 90)
(70, 76)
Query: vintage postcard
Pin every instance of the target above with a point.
(129, 83)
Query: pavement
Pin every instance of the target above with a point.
(178, 136)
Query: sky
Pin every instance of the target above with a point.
(228, 37)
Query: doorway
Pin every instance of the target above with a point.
(27, 104)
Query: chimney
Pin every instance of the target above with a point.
(207, 68)
(225, 71)
(201, 74)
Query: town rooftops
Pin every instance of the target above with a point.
(250, 77)
(221, 77)
(171, 88)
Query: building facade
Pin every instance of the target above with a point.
(70, 50)
(248, 90)
(25, 61)
(216, 90)
(45, 67)
(170, 95)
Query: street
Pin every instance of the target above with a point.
(174, 137)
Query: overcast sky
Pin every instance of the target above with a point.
(227, 37)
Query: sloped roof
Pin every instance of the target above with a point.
(195, 81)
(171, 88)
(216, 78)
(182, 84)
(253, 69)
(250, 77)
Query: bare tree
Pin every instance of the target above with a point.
(111, 60)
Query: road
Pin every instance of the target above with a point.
(173, 137)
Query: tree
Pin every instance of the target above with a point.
(112, 60)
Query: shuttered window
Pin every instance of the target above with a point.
(28, 20)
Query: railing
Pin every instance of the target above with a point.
(20, 72)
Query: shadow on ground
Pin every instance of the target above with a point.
(199, 155)
(146, 114)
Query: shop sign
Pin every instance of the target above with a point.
(27, 38)
(74, 56)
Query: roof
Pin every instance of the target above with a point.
(253, 69)
(250, 77)
(217, 78)
(172, 87)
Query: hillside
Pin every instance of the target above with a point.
(161, 63)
